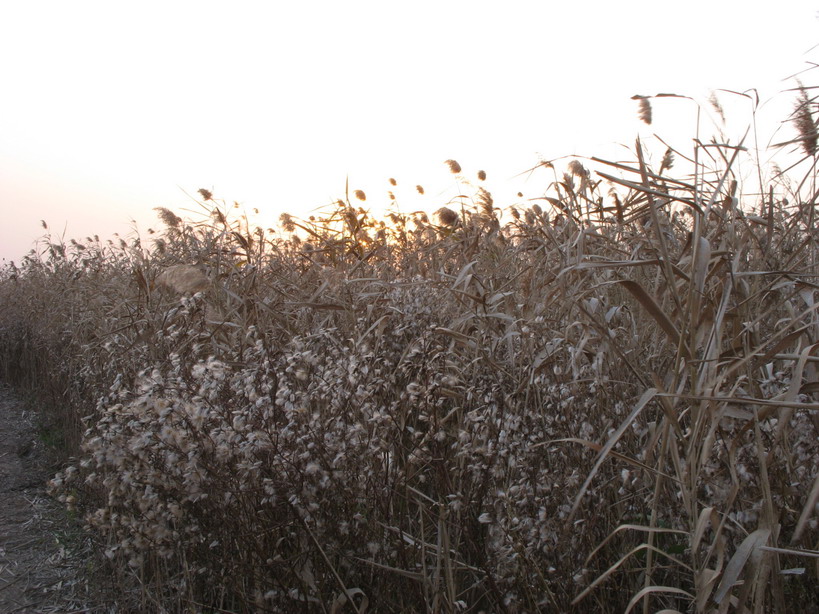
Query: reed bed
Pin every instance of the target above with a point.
(604, 400)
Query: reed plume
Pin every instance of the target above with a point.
(644, 108)
(804, 122)
(454, 167)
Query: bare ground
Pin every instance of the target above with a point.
(46, 562)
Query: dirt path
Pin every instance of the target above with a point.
(43, 559)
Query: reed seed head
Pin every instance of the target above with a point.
(168, 217)
(454, 167)
(485, 202)
(644, 110)
(447, 216)
(715, 104)
(805, 124)
(577, 169)
(219, 216)
(183, 278)
(287, 223)
(668, 160)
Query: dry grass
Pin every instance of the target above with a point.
(605, 403)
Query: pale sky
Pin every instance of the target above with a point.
(109, 109)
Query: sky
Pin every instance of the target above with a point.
(110, 109)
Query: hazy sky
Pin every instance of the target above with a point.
(109, 109)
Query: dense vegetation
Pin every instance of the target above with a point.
(602, 401)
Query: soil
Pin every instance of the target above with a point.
(46, 561)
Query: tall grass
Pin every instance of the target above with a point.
(603, 401)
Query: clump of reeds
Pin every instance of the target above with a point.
(607, 402)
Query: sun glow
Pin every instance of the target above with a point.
(111, 113)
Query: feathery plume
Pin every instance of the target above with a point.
(485, 202)
(715, 104)
(168, 217)
(447, 216)
(287, 223)
(577, 169)
(804, 122)
(219, 216)
(454, 167)
(668, 160)
(644, 112)
(183, 278)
